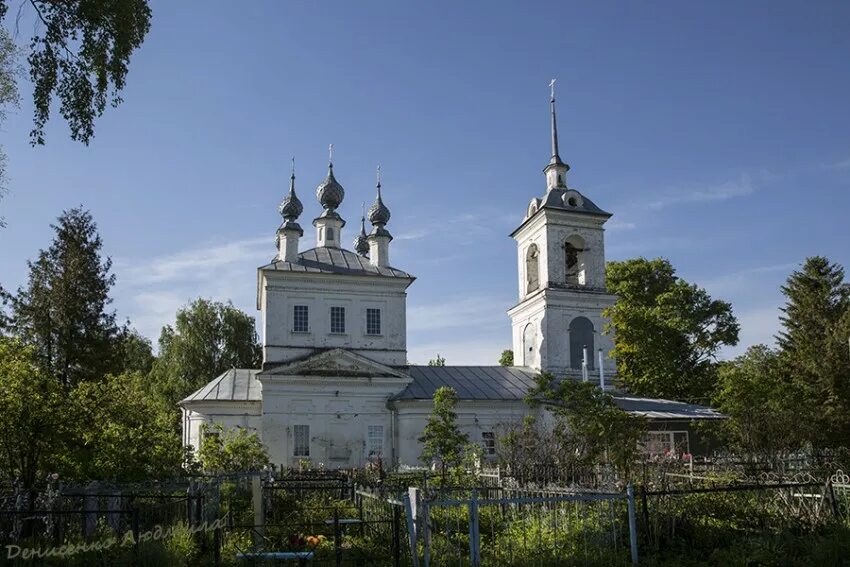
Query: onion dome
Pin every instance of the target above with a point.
(361, 243)
(291, 207)
(379, 214)
(329, 192)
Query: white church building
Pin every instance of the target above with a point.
(336, 388)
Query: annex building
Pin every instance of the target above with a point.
(336, 387)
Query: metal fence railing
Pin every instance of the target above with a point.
(555, 529)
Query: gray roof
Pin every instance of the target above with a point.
(470, 382)
(652, 408)
(557, 199)
(327, 260)
(235, 385)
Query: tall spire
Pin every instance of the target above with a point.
(556, 169)
(556, 157)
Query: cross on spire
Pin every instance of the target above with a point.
(330, 153)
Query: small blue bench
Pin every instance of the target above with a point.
(300, 556)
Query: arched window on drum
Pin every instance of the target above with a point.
(581, 337)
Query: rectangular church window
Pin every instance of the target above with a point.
(488, 443)
(373, 321)
(300, 319)
(302, 441)
(337, 319)
(375, 441)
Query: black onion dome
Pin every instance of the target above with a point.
(379, 213)
(361, 243)
(329, 192)
(291, 207)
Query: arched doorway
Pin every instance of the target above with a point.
(581, 336)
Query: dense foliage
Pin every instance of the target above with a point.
(87, 398)
(233, 450)
(668, 331)
(589, 426)
(207, 338)
(763, 406)
(30, 401)
(814, 348)
(507, 358)
(442, 440)
(63, 310)
(79, 54)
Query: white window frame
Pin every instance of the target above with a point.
(488, 443)
(331, 321)
(295, 318)
(380, 322)
(295, 445)
(374, 438)
(668, 443)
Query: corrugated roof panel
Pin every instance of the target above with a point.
(232, 385)
(334, 260)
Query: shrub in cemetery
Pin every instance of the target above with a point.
(442, 440)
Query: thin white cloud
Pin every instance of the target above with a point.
(194, 264)
(151, 290)
(620, 225)
(468, 312)
(840, 164)
(746, 279)
(722, 192)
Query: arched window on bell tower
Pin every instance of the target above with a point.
(574, 261)
(532, 268)
(529, 346)
(581, 337)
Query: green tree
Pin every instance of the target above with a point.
(117, 431)
(234, 450)
(442, 440)
(439, 361)
(507, 358)
(30, 403)
(589, 428)
(135, 352)
(79, 54)
(207, 339)
(814, 346)
(763, 404)
(62, 311)
(667, 332)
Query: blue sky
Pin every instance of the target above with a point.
(717, 133)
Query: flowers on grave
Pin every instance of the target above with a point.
(300, 542)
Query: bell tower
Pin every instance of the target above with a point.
(557, 325)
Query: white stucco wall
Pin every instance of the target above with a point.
(338, 410)
(280, 291)
(473, 418)
(226, 414)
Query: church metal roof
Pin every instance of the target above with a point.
(235, 385)
(328, 260)
(470, 382)
(652, 408)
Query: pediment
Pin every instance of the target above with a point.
(336, 363)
